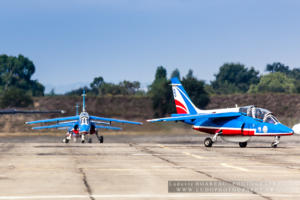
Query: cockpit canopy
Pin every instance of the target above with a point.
(259, 113)
(84, 118)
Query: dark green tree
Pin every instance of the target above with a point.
(161, 93)
(15, 97)
(295, 73)
(130, 88)
(51, 93)
(175, 73)
(234, 78)
(78, 92)
(161, 73)
(16, 72)
(97, 84)
(195, 89)
(278, 67)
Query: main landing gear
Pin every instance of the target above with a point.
(243, 144)
(67, 138)
(84, 138)
(100, 138)
(208, 142)
(276, 141)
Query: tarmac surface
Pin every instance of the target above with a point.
(145, 166)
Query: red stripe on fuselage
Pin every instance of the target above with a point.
(225, 131)
(237, 132)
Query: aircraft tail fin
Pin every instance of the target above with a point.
(83, 101)
(184, 105)
(77, 109)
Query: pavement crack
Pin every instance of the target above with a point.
(154, 154)
(83, 175)
(86, 184)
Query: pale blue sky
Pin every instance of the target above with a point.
(71, 42)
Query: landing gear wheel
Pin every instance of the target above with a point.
(274, 145)
(65, 140)
(243, 144)
(208, 142)
(90, 140)
(82, 141)
(101, 139)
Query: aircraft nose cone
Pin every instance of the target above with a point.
(296, 129)
(285, 129)
(84, 128)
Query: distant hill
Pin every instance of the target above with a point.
(285, 106)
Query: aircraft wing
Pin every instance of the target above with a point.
(114, 120)
(54, 126)
(54, 120)
(197, 116)
(14, 111)
(108, 127)
(98, 122)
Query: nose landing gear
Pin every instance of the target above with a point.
(243, 144)
(208, 142)
(276, 142)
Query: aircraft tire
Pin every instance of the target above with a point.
(243, 144)
(90, 140)
(101, 139)
(65, 140)
(208, 142)
(274, 145)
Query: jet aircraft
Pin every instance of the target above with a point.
(237, 124)
(82, 124)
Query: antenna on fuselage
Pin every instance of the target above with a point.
(77, 109)
(83, 101)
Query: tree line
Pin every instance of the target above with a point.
(17, 88)
(236, 78)
(232, 78)
(16, 85)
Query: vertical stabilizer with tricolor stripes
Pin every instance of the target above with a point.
(184, 105)
(83, 101)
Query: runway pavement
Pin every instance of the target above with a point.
(143, 166)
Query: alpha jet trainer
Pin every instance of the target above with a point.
(82, 124)
(237, 124)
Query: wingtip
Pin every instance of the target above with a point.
(151, 120)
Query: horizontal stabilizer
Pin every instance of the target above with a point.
(54, 120)
(54, 126)
(115, 120)
(98, 122)
(108, 127)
